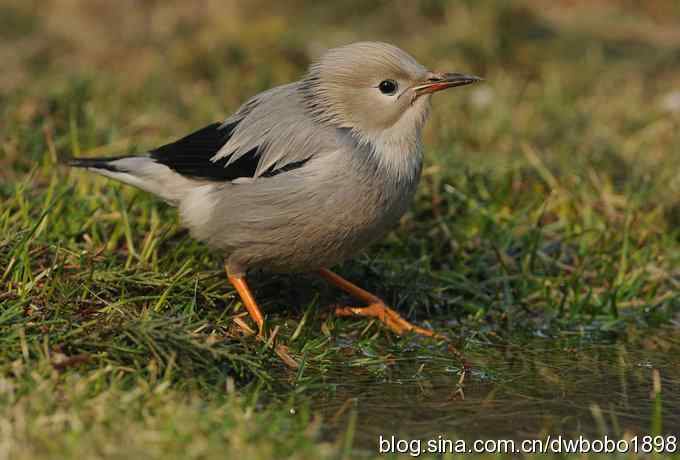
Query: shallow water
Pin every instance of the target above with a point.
(513, 392)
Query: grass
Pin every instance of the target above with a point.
(549, 206)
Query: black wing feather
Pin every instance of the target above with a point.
(190, 156)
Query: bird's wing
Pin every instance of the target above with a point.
(270, 134)
(191, 156)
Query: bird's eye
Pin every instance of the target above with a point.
(388, 87)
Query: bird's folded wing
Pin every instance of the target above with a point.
(190, 156)
(270, 134)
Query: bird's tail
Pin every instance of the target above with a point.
(96, 164)
(127, 169)
(140, 171)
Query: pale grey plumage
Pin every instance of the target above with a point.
(311, 217)
(273, 122)
(284, 121)
(337, 162)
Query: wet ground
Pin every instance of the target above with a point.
(526, 391)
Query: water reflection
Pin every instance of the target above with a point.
(518, 392)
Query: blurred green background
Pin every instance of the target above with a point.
(565, 76)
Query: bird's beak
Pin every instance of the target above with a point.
(437, 81)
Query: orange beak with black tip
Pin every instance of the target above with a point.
(437, 81)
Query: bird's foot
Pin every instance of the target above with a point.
(387, 316)
(281, 350)
(241, 286)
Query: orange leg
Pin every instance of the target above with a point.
(376, 307)
(241, 286)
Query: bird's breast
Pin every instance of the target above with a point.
(378, 192)
(311, 217)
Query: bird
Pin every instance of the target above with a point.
(304, 175)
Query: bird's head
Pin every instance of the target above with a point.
(373, 88)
